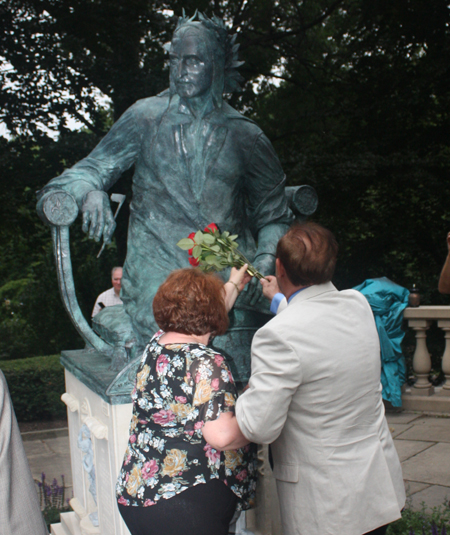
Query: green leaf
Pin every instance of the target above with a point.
(197, 251)
(186, 244)
(233, 237)
(234, 245)
(211, 259)
(219, 265)
(198, 238)
(216, 248)
(209, 239)
(225, 234)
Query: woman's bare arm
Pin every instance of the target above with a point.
(224, 433)
(235, 284)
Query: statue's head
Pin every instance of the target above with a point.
(203, 59)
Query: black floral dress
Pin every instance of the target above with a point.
(178, 388)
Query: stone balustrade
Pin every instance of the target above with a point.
(423, 395)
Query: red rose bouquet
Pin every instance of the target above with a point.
(212, 250)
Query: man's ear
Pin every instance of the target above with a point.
(280, 271)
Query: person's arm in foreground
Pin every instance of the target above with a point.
(444, 280)
(224, 433)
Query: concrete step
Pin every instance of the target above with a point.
(58, 529)
(70, 525)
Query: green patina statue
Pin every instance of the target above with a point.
(196, 161)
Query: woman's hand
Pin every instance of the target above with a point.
(240, 277)
(235, 284)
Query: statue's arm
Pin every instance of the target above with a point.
(89, 179)
(269, 212)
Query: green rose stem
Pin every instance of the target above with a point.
(239, 262)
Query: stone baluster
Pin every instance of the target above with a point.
(421, 360)
(445, 326)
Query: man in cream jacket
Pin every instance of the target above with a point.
(315, 396)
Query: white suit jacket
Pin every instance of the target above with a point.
(315, 395)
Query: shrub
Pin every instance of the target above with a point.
(52, 500)
(36, 385)
(435, 521)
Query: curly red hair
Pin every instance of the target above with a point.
(191, 302)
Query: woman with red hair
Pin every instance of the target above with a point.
(172, 479)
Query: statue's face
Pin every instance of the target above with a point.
(191, 68)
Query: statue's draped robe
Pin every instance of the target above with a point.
(188, 173)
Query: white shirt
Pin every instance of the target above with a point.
(108, 298)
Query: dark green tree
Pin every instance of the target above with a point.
(354, 94)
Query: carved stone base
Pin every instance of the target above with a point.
(265, 518)
(108, 425)
(437, 403)
(428, 391)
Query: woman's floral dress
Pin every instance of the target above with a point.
(178, 388)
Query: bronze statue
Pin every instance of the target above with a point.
(196, 161)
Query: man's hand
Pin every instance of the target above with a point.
(269, 287)
(98, 218)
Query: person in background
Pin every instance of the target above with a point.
(315, 395)
(172, 480)
(20, 513)
(444, 279)
(112, 296)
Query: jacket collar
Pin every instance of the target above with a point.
(180, 113)
(313, 291)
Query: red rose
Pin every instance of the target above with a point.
(191, 236)
(211, 228)
(193, 261)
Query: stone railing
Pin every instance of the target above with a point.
(423, 395)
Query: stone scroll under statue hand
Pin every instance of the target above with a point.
(196, 161)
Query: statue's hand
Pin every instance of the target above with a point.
(265, 264)
(98, 218)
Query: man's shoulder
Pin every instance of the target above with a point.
(354, 295)
(278, 323)
(105, 293)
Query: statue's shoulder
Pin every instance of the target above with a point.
(241, 120)
(152, 107)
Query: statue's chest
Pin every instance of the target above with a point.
(197, 156)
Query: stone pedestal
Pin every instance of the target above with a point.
(99, 404)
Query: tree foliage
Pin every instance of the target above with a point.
(354, 94)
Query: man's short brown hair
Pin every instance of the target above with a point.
(191, 302)
(308, 253)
